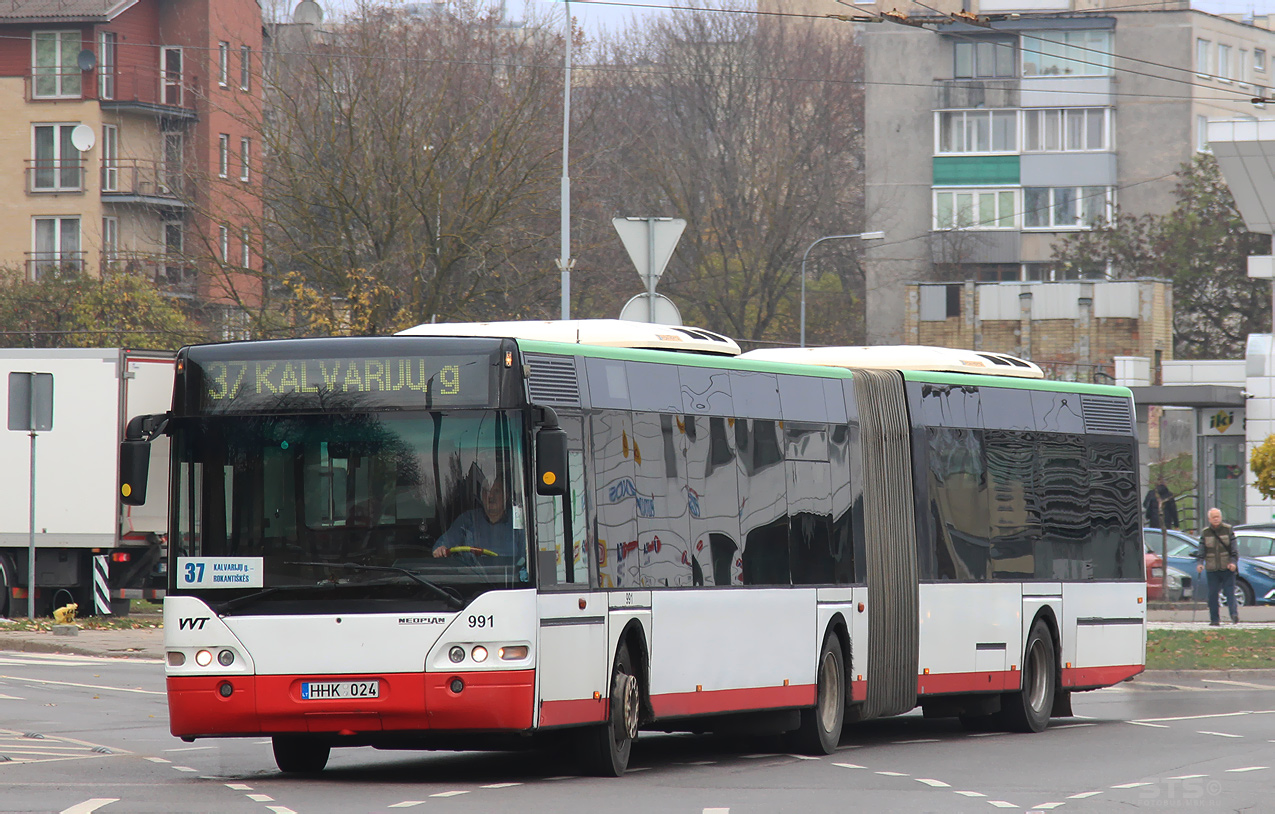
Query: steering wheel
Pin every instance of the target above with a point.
(469, 549)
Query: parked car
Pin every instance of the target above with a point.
(1255, 576)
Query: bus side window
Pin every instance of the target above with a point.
(616, 499)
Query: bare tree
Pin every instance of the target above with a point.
(412, 168)
(752, 132)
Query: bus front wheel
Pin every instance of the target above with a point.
(1028, 709)
(820, 729)
(300, 755)
(604, 750)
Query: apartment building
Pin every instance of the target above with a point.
(989, 140)
(128, 134)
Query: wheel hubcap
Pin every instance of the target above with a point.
(627, 701)
(830, 686)
(1038, 677)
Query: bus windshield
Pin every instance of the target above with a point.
(358, 512)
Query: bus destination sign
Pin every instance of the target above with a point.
(404, 382)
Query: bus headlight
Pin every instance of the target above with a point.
(226, 658)
(513, 652)
(203, 658)
(479, 653)
(456, 654)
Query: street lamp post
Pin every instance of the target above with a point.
(861, 236)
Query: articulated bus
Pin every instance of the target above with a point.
(506, 534)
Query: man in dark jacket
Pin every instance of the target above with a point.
(1159, 496)
(1218, 557)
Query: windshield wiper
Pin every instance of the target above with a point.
(246, 599)
(452, 599)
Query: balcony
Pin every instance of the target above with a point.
(173, 276)
(43, 265)
(146, 90)
(135, 180)
(55, 175)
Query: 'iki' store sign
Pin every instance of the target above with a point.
(1222, 421)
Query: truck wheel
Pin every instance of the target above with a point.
(605, 749)
(1028, 709)
(820, 729)
(300, 755)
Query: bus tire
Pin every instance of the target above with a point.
(8, 579)
(820, 729)
(605, 750)
(297, 754)
(1028, 709)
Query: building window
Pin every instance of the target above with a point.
(1224, 62)
(110, 240)
(993, 272)
(57, 165)
(223, 64)
(1048, 273)
(1202, 134)
(110, 158)
(977, 131)
(245, 67)
(983, 60)
(1202, 58)
(172, 64)
(1066, 130)
(174, 164)
(1259, 60)
(1241, 65)
(175, 269)
(223, 241)
(245, 150)
(1067, 53)
(106, 65)
(974, 209)
(245, 258)
(223, 155)
(55, 73)
(1065, 207)
(57, 247)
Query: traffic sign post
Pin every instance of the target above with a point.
(31, 411)
(650, 243)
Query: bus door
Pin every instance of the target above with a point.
(573, 663)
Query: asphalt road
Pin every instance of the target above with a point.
(83, 734)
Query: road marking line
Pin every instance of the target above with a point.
(938, 784)
(85, 686)
(408, 804)
(705, 763)
(1144, 723)
(11, 698)
(499, 785)
(1001, 804)
(239, 786)
(185, 769)
(805, 757)
(1130, 785)
(639, 769)
(1239, 684)
(918, 740)
(260, 798)
(756, 757)
(1188, 776)
(717, 811)
(1082, 795)
(971, 794)
(449, 793)
(158, 760)
(985, 734)
(1048, 805)
(892, 774)
(849, 765)
(1070, 726)
(1249, 769)
(1213, 715)
(558, 777)
(89, 806)
(190, 749)
(281, 810)
(1219, 734)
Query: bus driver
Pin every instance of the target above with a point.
(489, 529)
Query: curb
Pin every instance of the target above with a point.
(1207, 674)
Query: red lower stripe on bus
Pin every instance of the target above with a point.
(942, 683)
(1099, 676)
(671, 705)
(564, 713)
(497, 700)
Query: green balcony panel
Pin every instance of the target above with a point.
(975, 170)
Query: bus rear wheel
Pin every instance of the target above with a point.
(300, 755)
(1028, 709)
(820, 729)
(605, 750)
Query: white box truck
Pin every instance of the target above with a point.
(78, 513)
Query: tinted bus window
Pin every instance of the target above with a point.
(947, 405)
(712, 497)
(654, 387)
(763, 498)
(1062, 479)
(1005, 408)
(1014, 516)
(1057, 412)
(958, 503)
(663, 524)
(617, 500)
(755, 395)
(801, 398)
(705, 391)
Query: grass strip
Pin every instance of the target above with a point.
(1211, 649)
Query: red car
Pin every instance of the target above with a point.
(1155, 575)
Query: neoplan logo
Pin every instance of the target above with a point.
(192, 622)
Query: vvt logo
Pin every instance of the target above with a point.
(192, 622)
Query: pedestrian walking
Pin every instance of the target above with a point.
(1218, 558)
